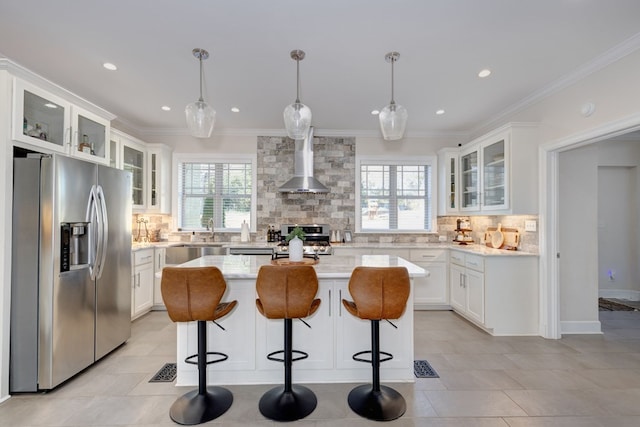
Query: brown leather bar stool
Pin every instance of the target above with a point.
(194, 294)
(287, 292)
(379, 293)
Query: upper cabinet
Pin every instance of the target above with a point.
(51, 122)
(150, 167)
(158, 178)
(449, 172)
(498, 174)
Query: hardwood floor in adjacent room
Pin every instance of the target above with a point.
(580, 380)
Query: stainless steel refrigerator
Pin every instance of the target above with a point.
(71, 268)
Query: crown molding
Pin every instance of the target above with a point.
(612, 55)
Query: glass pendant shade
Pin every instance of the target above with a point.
(297, 120)
(393, 121)
(393, 117)
(200, 119)
(200, 116)
(297, 116)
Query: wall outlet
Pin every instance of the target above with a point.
(530, 225)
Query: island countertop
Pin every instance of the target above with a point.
(328, 267)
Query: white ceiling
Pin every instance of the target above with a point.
(529, 45)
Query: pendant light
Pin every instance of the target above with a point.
(200, 116)
(393, 117)
(297, 116)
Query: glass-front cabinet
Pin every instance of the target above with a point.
(158, 178)
(448, 165)
(469, 181)
(40, 118)
(494, 176)
(49, 121)
(133, 161)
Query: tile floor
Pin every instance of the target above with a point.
(484, 381)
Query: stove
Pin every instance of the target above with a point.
(317, 237)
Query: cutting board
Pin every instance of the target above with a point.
(511, 238)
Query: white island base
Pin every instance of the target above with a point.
(333, 338)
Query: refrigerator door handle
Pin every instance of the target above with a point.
(91, 218)
(103, 233)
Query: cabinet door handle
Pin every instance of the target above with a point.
(138, 279)
(329, 302)
(463, 280)
(340, 302)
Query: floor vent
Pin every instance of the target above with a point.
(422, 369)
(166, 374)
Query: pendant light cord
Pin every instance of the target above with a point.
(392, 97)
(297, 81)
(200, 58)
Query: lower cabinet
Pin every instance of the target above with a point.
(142, 282)
(158, 265)
(432, 291)
(467, 285)
(497, 293)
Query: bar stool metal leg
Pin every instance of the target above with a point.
(206, 403)
(288, 402)
(374, 401)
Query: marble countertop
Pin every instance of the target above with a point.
(329, 267)
(477, 248)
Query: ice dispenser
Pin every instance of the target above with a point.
(74, 245)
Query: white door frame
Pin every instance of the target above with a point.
(549, 212)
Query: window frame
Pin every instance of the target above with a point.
(431, 161)
(179, 158)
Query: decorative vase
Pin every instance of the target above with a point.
(295, 250)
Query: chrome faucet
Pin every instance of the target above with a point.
(210, 224)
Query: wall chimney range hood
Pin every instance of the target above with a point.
(303, 180)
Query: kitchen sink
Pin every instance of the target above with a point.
(186, 252)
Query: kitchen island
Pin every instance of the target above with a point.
(333, 337)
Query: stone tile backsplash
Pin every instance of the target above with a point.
(334, 166)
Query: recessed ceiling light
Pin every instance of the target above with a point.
(375, 112)
(440, 112)
(235, 109)
(109, 66)
(166, 108)
(50, 105)
(484, 73)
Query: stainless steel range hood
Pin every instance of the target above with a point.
(303, 180)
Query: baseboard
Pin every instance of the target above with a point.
(580, 327)
(627, 294)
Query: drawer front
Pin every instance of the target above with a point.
(474, 262)
(456, 258)
(143, 256)
(427, 255)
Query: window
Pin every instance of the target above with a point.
(396, 195)
(218, 191)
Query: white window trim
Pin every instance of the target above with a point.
(213, 158)
(400, 160)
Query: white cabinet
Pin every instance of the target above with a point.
(497, 173)
(132, 157)
(342, 251)
(158, 179)
(51, 122)
(432, 291)
(158, 264)
(497, 293)
(467, 285)
(142, 282)
(449, 193)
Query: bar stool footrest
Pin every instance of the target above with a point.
(280, 405)
(303, 355)
(383, 405)
(388, 356)
(193, 359)
(195, 408)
